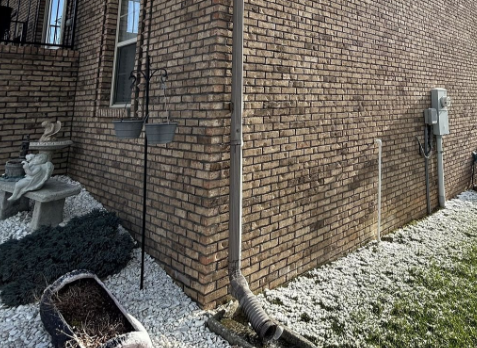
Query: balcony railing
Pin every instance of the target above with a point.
(47, 23)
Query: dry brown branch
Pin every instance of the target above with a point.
(91, 313)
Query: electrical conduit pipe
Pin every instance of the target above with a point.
(440, 171)
(380, 146)
(261, 323)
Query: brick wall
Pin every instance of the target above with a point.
(36, 84)
(179, 227)
(323, 80)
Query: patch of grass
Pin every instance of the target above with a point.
(325, 306)
(276, 301)
(377, 308)
(337, 326)
(305, 317)
(91, 242)
(444, 315)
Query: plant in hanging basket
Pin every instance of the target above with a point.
(78, 311)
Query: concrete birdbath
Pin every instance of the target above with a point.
(47, 144)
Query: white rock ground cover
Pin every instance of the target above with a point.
(334, 304)
(170, 317)
(330, 304)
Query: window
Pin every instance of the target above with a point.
(54, 22)
(125, 55)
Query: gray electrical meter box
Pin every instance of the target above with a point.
(441, 102)
(430, 116)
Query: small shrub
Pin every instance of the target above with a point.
(90, 242)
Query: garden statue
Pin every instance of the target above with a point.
(51, 129)
(38, 170)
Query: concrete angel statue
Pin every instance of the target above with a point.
(37, 170)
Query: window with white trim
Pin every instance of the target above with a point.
(55, 24)
(125, 52)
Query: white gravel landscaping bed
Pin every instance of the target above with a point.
(330, 304)
(170, 317)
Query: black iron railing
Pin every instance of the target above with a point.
(48, 23)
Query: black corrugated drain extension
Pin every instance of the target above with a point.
(261, 323)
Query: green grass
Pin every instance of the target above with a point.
(305, 317)
(442, 314)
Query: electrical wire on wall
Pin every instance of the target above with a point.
(474, 161)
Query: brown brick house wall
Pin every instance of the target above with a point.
(323, 80)
(36, 84)
(179, 202)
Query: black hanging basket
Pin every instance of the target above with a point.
(160, 133)
(128, 128)
(61, 331)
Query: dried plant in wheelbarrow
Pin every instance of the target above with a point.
(79, 312)
(92, 315)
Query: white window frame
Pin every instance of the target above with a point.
(46, 26)
(118, 45)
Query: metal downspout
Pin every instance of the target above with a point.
(260, 321)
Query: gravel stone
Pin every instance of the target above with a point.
(329, 295)
(373, 275)
(170, 317)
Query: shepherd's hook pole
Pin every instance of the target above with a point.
(144, 179)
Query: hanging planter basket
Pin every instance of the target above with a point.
(160, 133)
(78, 301)
(128, 128)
